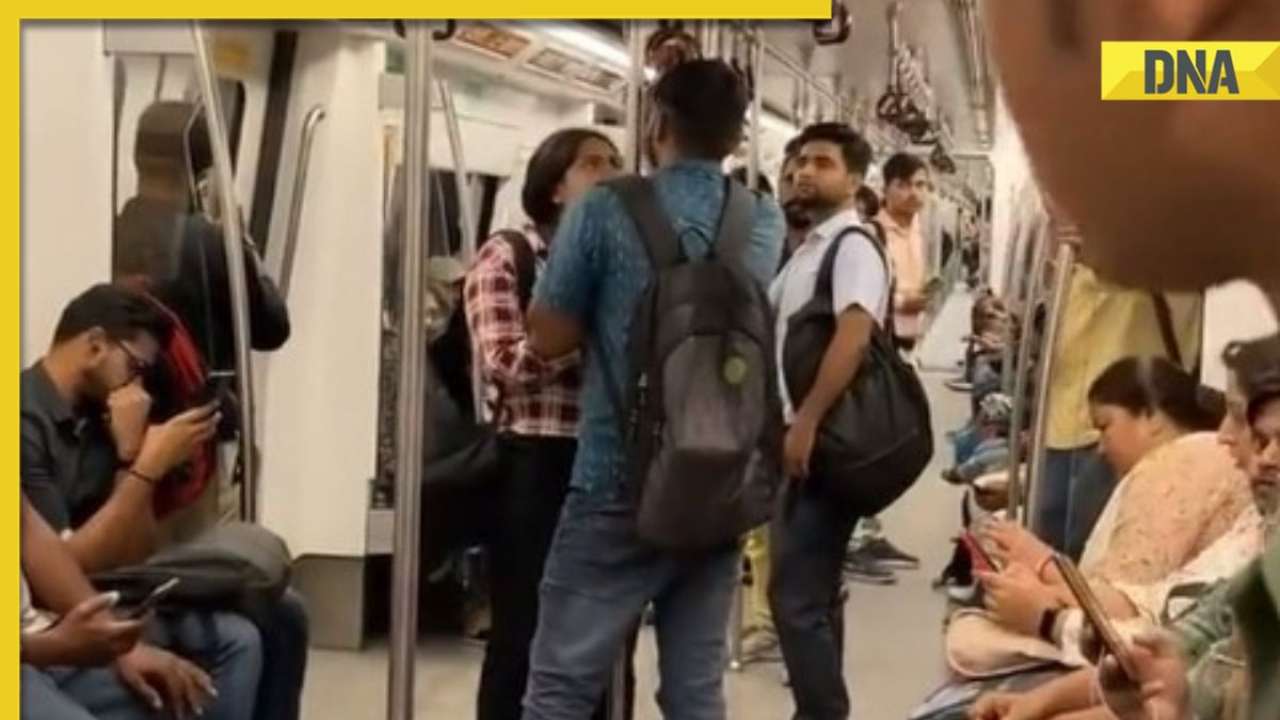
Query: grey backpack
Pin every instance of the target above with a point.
(701, 418)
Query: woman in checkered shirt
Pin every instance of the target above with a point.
(534, 404)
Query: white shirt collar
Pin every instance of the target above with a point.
(833, 225)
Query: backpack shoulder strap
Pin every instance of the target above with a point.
(823, 286)
(735, 220)
(656, 232)
(526, 264)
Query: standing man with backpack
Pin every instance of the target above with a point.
(841, 259)
(654, 512)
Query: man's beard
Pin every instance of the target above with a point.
(797, 215)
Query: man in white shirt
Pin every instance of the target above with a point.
(812, 530)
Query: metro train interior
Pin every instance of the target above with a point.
(346, 156)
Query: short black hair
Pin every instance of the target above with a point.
(121, 313)
(762, 182)
(792, 148)
(868, 199)
(546, 169)
(854, 148)
(1256, 364)
(902, 166)
(704, 104)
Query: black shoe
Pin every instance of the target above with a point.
(861, 567)
(883, 552)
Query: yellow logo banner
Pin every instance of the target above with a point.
(1191, 71)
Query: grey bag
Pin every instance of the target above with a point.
(701, 419)
(237, 567)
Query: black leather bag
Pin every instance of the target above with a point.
(465, 458)
(877, 438)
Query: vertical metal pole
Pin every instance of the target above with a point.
(1065, 266)
(313, 119)
(409, 430)
(1022, 372)
(756, 50)
(635, 89)
(233, 244)
(469, 238)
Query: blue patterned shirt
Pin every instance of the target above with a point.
(598, 270)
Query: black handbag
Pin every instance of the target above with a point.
(877, 439)
(465, 458)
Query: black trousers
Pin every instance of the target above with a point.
(807, 542)
(525, 515)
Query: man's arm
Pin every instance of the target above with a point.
(840, 364)
(553, 333)
(122, 532)
(566, 292)
(859, 282)
(124, 529)
(55, 577)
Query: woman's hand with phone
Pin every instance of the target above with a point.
(1016, 599)
(90, 634)
(1013, 544)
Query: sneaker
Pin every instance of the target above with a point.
(883, 552)
(860, 566)
(761, 647)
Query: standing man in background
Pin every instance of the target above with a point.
(906, 187)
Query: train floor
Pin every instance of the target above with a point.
(893, 653)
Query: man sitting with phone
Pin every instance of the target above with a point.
(87, 661)
(91, 465)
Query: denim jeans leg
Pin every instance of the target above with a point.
(284, 651)
(1091, 486)
(229, 647)
(597, 581)
(65, 693)
(691, 618)
(1053, 498)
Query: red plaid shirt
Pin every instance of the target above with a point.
(539, 397)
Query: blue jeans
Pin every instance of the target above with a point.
(77, 694)
(284, 654)
(225, 645)
(1076, 486)
(598, 579)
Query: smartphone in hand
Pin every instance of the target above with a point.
(152, 600)
(1097, 617)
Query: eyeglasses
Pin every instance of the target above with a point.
(137, 366)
